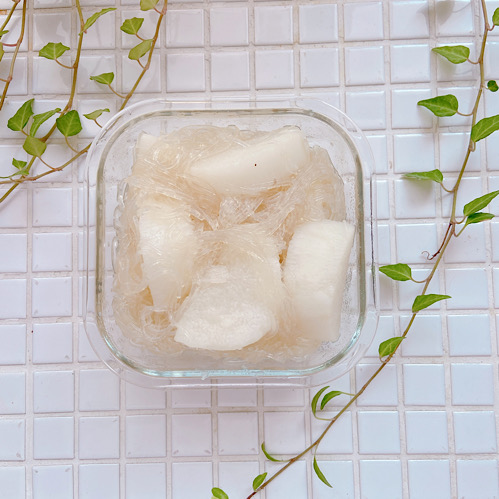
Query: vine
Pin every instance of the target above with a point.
(441, 106)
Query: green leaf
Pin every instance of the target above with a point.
(476, 218)
(19, 164)
(484, 128)
(435, 175)
(148, 4)
(453, 53)
(397, 272)
(316, 398)
(132, 26)
(140, 50)
(69, 124)
(389, 346)
(34, 146)
(91, 20)
(3, 32)
(20, 119)
(259, 480)
(329, 396)
(425, 301)
(39, 119)
(492, 86)
(53, 51)
(104, 78)
(495, 17)
(268, 456)
(95, 114)
(219, 493)
(479, 203)
(443, 105)
(319, 473)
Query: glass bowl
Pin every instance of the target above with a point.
(110, 161)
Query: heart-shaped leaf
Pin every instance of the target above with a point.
(69, 124)
(91, 20)
(397, 272)
(95, 114)
(22, 116)
(443, 105)
(140, 50)
(476, 218)
(484, 128)
(389, 346)
(53, 51)
(39, 119)
(319, 473)
(456, 54)
(434, 175)
(424, 301)
(104, 78)
(132, 26)
(479, 203)
(259, 480)
(34, 146)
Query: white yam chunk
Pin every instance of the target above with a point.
(315, 275)
(267, 160)
(167, 243)
(224, 313)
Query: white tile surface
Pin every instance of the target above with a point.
(191, 435)
(53, 391)
(274, 69)
(273, 25)
(475, 432)
(424, 384)
(229, 26)
(53, 438)
(429, 479)
(51, 296)
(99, 479)
(99, 390)
(13, 340)
(284, 432)
(318, 23)
(371, 28)
(409, 19)
(426, 432)
(12, 481)
(12, 393)
(183, 486)
(52, 482)
(146, 436)
(99, 437)
(477, 478)
(147, 480)
(380, 479)
(52, 343)
(472, 384)
(13, 252)
(378, 432)
(243, 424)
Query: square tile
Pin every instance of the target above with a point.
(12, 393)
(405, 110)
(185, 72)
(426, 432)
(13, 481)
(470, 188)
(475, 432)
(185, 28)
(338, 472)
(367, 109)
(230, 71)
(378, 432)
(146, 436)
(14, 212)
(99, 438)
(51, 297)
(12, 436)
(383, 199)
(191, 397)
(100, 36)
(379, 148)
(385, 330)
(471, 247)
(319, 67)
(425, 337)
(380, 479)
(468, 288)
(409, 19)
(415, 241)
(184, 487)
(91, 65)
(477, 479)
(454, 19)
(85, 351)
(338, 439)
(414, 199)
(371, 28)
(50, 78)
(53, 482)
(318, 23)
(131, 70)
(51, 27)
(12, 344)
(284, 432)
(53, 391)
(145, 480)
(472, 384)
(466, 99)
(274, 69)
(229, 27)
(406, 147)
(410, 63)
(233, 477)
(52, 251)
(13, 298)
(238, 433)
(429, 479)
(138, 397)
(407, 291)
(384, 248)
(99, 390)
(293, 485)
(424, 384)
(191, 435)
(273, 25)
(364, 65)
(13, 252)
(237, 397)
(99, 480)
(52, 343)
(55, 155)
(53, 438)
(52, 207)
(469, 334)
(453, 148)
(382, 391)
(283, 397)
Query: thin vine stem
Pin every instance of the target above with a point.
(9, 15)
(449, 235)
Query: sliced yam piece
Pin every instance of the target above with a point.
(168, 245)
(315, 273)
(224, 312)
(264, 162)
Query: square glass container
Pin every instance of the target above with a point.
(110, 161)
